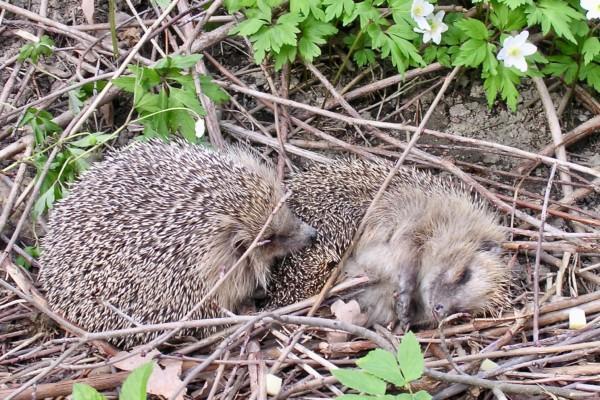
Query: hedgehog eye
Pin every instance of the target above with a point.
(464, 277)
(491, 246)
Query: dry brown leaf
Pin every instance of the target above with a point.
(129, 35)
(164, 381)
(131, 363)
(88, 10)
(348, 312)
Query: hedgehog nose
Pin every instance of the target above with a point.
(439, 310)
(311, 233)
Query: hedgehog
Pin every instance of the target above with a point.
(143, 235)
(430, 247)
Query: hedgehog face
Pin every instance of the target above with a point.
(286, 234)
(463, 277)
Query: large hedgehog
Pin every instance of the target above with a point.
(149, 230)
(430, 248)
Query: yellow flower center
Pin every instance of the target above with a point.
(514, 52)
(418, 10)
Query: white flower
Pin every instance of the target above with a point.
(419, 11)
(515, 49)
(434, 30)
(592, 7)
(199, 127)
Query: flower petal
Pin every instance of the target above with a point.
(528, 49)
(521, 37)
(520, 63)
(501, 54)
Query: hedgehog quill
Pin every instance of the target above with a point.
(429, 248)
(149, 230)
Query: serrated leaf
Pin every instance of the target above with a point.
(364, 57)
(562, 66)
(82, 391)
(383, 365)
(249, 26)
(356, 397)
(336, 8)
(410, 357)
(590, 49)
(308, 7)
(506, 19)
(44, 201)
(472, 53)
(473, 28)
(556, 15)
(513, 4)
(286, 54)
(368, 14)
(134, 387)
(401, 11)
(313, 34)
(591, 74)
(361, 381)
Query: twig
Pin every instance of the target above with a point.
(536, 270)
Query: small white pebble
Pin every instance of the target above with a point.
(576, 318)
(488, 365)
(273, 385)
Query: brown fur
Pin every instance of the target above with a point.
(422, 237)
(151, 229)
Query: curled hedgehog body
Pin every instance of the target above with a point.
(429, 248)
(149, 230)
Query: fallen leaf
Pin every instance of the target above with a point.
(348, 312)
(165, 381)
(131, 363)
(88, 10)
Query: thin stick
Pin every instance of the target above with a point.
(536, 270)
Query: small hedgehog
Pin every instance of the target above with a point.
(144, 234)
(429, 248)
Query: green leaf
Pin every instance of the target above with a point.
(562, 66)
(313, 34)
(134, 387)
(82, 391)
(590, 49)
(336, 8)
(212, 90)
(554, 14)
(180, 62)
(306, 7)
(401, 11)
(591, 74)
(367, 14)
(410, 357)
(33, 251)
(506, 19)
(127, 83)
(286, 54)
(361, 381)
(513, 4)
(44, 201)
(473, 28)
(383, 365)
(421, 395)
(249, 26)
(472, 53)
(92, 139)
